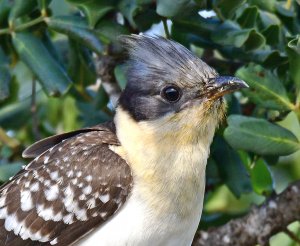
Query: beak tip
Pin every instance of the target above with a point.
(244, 84)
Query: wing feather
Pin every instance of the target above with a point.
(75, 183)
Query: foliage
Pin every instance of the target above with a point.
(55, 42)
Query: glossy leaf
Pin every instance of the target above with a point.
(231, 168)
(110, 30)
(293, 51)
(120, 74)
(272, 34)
(21, 7)
(265, 88)
(248, 17)
(5, 7)
(15, 115)
(50, 74)
(9, 170)
(227, 9)
(129, 9)
(259, 136)
(4, 76)
(229, 33)
(76, 28)
(261, 178)
(171, 8)
(43, 4)
(95, 9)
(212, 172)
(81, 67)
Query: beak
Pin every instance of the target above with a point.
(222, 85)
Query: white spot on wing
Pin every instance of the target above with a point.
(3, 213)
(87, 190)
(68, 219)
(57, 217)
(52, 192)
(34, 187)
(45, 213)
(54, 175)
(54, 241)
(104, 198)
(12, 223)
(46, 159)
(26, 200)
(2, 201)
(89, 178)
(91, 203)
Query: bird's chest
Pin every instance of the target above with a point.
(137, 224)
(164, 207)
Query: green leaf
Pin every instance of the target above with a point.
(226, 9)
(91, 115)
(5, 7)
(259, 136)
(229, 33)
(76, 28)
(101, 98)
(120, 74)
(248, 17)
(4, 76)
(94, 9)
(146, 18)
(261, 178)
(129, 8)
(212, 172)
(19, 110)
(43, 4)
(81, 67)
(231, 168)
(293, 51)
(9, 170)
(268, 5)
(21, 7)
(269, 58)
(265, 88)
(110, 30)
(171, 8)
(272, 34)
(51, 75)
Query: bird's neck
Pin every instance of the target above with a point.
(168, 164)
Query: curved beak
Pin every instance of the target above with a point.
(222, 85)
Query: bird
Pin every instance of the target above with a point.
(137, 180)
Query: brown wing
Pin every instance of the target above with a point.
(65, 192)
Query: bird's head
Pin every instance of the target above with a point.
(171, 89)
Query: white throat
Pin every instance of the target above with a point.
(168, 157)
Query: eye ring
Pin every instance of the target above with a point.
(171, 93)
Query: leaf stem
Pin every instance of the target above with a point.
(4, 31)
(29, 24)
(22, 26)
(33, 110)
(167, 32)
(292, 235)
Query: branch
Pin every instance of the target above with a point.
(259, 224)
(105, 65)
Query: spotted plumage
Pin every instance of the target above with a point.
(139, 181)
(67, 190)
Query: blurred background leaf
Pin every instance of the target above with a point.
(70, 48)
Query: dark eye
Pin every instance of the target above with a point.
(171, 93)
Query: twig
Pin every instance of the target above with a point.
(167, 32)
(33, 110)
(259, 224)
(292, 235)
(105, 65)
